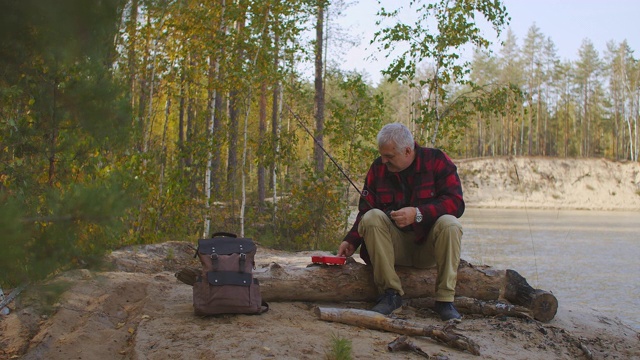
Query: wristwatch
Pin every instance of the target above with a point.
(418, 215)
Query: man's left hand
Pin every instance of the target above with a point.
(404, 217)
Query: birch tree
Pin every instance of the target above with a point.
(215, 110)
(440, 30)
(624, 76)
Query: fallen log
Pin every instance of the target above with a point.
(7, 300)
(474, 306)
(376, 321)
(354, 282)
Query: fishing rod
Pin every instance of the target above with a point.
(362, 193)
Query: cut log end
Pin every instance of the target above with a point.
(544, 306)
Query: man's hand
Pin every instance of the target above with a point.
(404, 217)
(346, 249)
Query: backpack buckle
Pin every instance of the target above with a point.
(243, 261)
(214, 260)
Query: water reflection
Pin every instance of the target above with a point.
(586, 258)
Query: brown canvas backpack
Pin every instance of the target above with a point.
(226, 284)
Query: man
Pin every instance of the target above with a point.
(408, 214)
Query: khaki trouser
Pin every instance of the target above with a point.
(388, 246)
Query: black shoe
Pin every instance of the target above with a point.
(388, 302)
(447, 311)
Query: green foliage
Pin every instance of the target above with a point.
(340, 348)
(79, 174)
(59, 229)
(63, 197)
(314, 213)
(44, 299)
(496, 100)
(170, 206)
(455, 27)
(357, 114)
(311, 217)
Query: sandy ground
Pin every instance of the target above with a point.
(136, 309)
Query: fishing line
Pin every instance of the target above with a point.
(363, 193)
(526, 211)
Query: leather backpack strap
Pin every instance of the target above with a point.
(264, 307)
(224, 233)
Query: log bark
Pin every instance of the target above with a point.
(354, 282)
(376, 321)
(403, 343)
(9, 298)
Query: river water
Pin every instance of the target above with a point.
(585, 258)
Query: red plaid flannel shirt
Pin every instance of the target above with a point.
(436, 190)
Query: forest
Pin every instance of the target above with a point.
(137, 121)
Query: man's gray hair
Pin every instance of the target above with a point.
(396, 133)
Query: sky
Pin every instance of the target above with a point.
(566, 22)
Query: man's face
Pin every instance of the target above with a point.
(395, 159)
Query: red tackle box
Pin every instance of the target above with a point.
(329, 260)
